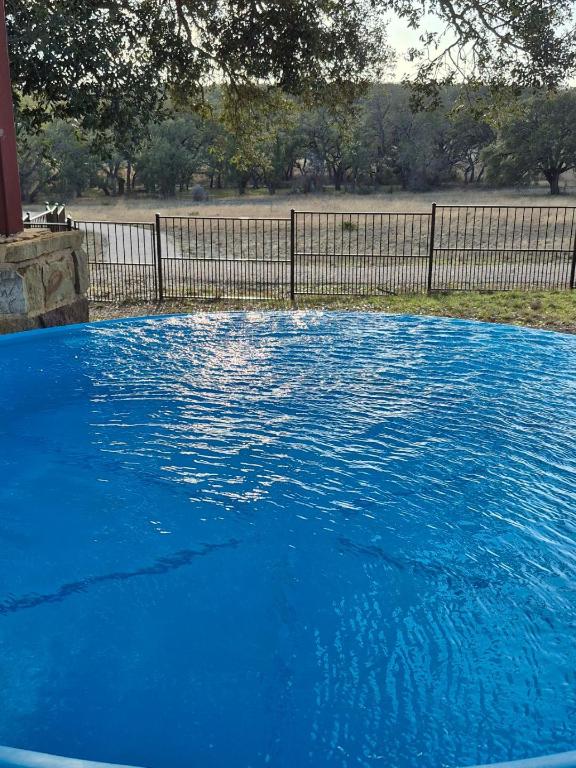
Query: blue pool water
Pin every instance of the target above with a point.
(298, 540)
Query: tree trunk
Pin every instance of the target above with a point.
(553, 179)
(128, 177)
(32, 194)
(338, 178)
(470, 174)
(555, 185)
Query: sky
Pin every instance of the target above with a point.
(402, 38)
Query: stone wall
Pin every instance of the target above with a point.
(43, 280)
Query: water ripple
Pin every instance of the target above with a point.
(396, 502)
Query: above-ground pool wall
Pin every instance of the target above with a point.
(22, 758)
(561, 760)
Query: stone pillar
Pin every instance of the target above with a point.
(43, 280)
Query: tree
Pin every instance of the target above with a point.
(375, 118)
(420, 153)
(411, 144)
(35, 165)
(57, 161)
(330, 135)
(538, 139)
(177, 149)
(263, 141)
(528, 43)
(105, 62)
(467, 135)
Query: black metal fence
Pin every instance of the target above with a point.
(326, 253)
(360, 253)
(123, 261)
(499, 248)
(207, 257)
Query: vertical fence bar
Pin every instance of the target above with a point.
(160, 296)
(431, 251)
(292, 253)
(573, 267)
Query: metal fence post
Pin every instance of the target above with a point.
(573, 267)
(160, 295)
(292, 252)
(431, 251)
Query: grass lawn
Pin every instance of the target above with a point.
(552, 310)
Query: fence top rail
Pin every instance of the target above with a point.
(495, 249)
(364, 213)
(148, 224)
(510, 207)
(225, 218)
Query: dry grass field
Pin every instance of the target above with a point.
(279, 205)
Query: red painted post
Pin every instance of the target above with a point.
(10, 201)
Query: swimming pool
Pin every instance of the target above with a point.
(288, 539)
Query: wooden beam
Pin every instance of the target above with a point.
(10, 200)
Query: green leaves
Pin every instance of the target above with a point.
(176, 150)
(536, 137)
(105, 62)
(495, 43)
(57, 161)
